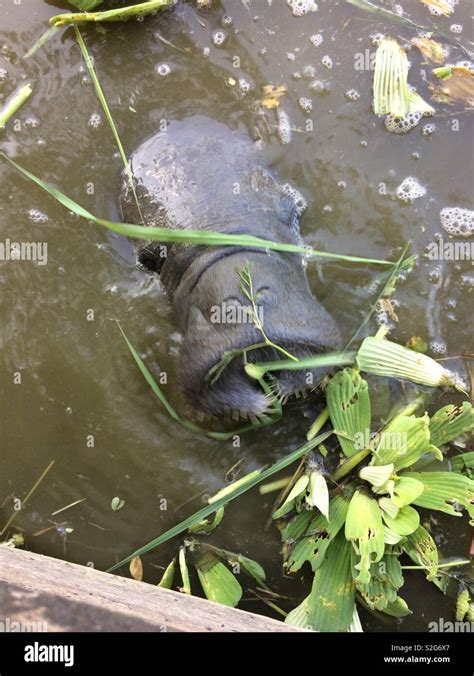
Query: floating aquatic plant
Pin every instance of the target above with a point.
(390, 89)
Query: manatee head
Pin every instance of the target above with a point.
(217, 320)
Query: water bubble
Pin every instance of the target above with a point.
(376, 38)
(352, 95)
(163, 69)
(402, 125)
(320, 86)
(457, 221)
(327, 209)
(302, 7)
(438, 346)
(95, 120)
(410, 189)
(245, 85)
(309, 72)
(326, 61)
(456, 28)
(342, 185)
(300, 203)
(227, 20)
(316, 39)
(428, 129)
(306, 105)
(3, 75)
(218, 38)
(37, 217)
(435, 275)
(31, 122)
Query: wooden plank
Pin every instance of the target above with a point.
(63, 596)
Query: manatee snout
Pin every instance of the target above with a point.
(221, 322)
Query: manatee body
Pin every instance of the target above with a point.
(201, 175)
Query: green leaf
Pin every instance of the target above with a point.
(85, 5)
(462, 605)
(450, 422)
(296, 491)
(391, 93)
(391, 538)
(296, 526)
(378, 476)
(121, 14)
(348, 402)
(421, 548)
(318, 495)
(406, 490)
(166, 581)
(397, 608)
(384, 358)
(320, 532)
(463, 463)
(406, 521)
(117, 504)
(404, 441)
(183, 567)
(442, 490)
(251, 567)
(364, 528)
(385, 579)
(207, 526)
(330, 605)
(218, 583)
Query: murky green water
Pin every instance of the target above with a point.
(77, 378)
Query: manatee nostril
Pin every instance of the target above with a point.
(262, 294)
(148, 261)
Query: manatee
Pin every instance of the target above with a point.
(199, 174)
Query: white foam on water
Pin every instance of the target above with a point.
(326, 61)
(410, 189)
(428, 129)
(37, 217)
(352, 94)
(402, 125)
(316, 39)
(302, 7)
(163, 69)
(218, 38)
(306, 105)
(457, 221)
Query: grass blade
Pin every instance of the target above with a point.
(14, 103)
(208, 238)
(108, 114)
(231, 495)
(46, 37)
